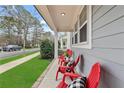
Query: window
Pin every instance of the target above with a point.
(76, 38)
(76, 34)
(64, 43)
(72, 40)
(83, 16)
(82, 34)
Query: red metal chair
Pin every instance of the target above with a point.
(92, 80)
(62, 58)
(69, 52)
(63, 69)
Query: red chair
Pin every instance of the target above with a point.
(69, 52)
(63, 69)
(92, 80)
(62, 58)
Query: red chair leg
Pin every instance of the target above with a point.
(71, 78)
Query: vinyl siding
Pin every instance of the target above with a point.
(107, 45)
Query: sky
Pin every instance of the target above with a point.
(35, 13)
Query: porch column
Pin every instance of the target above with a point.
(55, 45)
(61, 42)
(68, 40)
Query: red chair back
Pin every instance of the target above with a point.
(69, 52)
(61, 58)
(92, 80)
(94, 76)
(76, 61)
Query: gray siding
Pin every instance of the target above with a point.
(108, 45)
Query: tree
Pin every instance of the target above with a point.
(16, 23)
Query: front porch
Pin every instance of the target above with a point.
(62, 19)
(48, 80)
(93, 32)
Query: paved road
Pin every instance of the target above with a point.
(9, 54)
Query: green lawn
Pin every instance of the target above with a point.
(24, 75)
(6, 60)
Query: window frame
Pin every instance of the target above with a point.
(87, 44)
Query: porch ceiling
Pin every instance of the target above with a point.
(53, 16)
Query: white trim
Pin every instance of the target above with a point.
(83, 24)
(82, 7)
(78, 31)
(89, 26)
(81, 46)
(68, 40)
(56, 44)
(88, 43)
(61, 43)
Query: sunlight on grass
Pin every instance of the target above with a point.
(24, 75)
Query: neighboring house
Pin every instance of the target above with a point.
(97, 32)
(63, 41)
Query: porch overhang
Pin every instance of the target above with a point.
(60, 18)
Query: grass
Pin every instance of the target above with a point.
(6, 60)
(24, 75)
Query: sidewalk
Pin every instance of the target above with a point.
(10, 65)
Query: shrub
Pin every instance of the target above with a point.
(47, 49)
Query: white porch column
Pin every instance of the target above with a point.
(56, 44)
(68, 40)
(61, 42)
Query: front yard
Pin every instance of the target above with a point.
(24, 75)
(7, 60)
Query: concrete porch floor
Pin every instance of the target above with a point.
(48, 80)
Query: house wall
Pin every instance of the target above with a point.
(107, 45)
